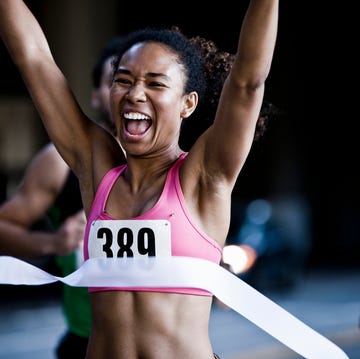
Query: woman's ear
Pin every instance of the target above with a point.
(189, 104)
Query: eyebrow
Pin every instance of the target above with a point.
(149, 74)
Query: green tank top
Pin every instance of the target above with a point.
(76, 300)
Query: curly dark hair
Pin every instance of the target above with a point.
(217, 65)
(205, 68)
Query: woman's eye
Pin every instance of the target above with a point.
(122, 81)
(156, 84)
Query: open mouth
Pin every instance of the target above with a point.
(136, 123)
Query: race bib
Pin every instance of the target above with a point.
(129, 238)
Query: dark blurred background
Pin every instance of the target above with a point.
(305, 168)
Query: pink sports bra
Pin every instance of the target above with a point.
(165, 229)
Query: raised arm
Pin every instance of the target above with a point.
(48, 88)
(228, 142)
(80, 141)
(69, 129)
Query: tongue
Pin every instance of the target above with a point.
(137, 127)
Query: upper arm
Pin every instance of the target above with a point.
(229, 140)
(64, 120)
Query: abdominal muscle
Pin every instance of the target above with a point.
(149, 325)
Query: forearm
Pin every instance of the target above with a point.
(21, 242)
(257, 41)
(21, 32)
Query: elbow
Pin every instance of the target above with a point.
(253, 82)
(249, 87)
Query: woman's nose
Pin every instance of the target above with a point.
(136, 93)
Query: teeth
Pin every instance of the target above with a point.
(136, 116)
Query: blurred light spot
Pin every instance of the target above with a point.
(240, 258)
(259, 211)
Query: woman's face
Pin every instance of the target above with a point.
(147, 99)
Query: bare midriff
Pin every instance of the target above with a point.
(149, 325)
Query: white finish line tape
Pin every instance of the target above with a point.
(184, 272)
